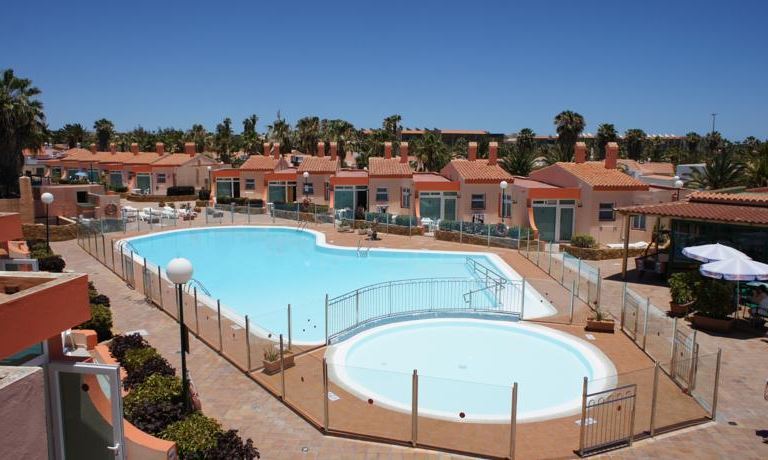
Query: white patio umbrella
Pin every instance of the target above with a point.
(736, 270)
(712, 252)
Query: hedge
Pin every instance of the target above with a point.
(476, 228)
(241, 201)
(101, 314)
(180, 190)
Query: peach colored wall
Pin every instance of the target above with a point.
(318, 183)
(260, 189)
(64, 198)
(10, 227)
(43, 313)
(555, 176)
(393, 186)
(23, 427)
(492, 194)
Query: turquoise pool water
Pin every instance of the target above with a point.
(452, 354)
(258, 271)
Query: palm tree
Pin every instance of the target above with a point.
(308, 133)
(569, 126)
(172, 138)
(223, 139)
(105, 129)
(460, 148)
(22, 125)
(516, 160)
(606, 133)
(655, 149)
(198, 135)
(431, 152)
(721, 171)
(634, 143)
(713, 142)
(556, 154)
(757, 167)
(280, 131)
(73, 134)
(692, 143)
(526, 141)
(250, 139)
(392, 127)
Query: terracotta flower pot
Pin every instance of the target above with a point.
(706, 323)
(602, 325)
(273, 367)
(679, 310)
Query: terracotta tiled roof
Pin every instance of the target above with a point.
(704, 211)
(141, 158)
(173, 159)
(479, 171)
(747, 199)
(649, 168)
(597, 176)
(392, 167)
(77, 154)
(259, 163)
(319, 165)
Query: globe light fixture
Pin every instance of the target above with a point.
(179, 272)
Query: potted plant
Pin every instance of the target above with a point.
(682, 287)
(272, 360)
(599, 321)
(713, 305)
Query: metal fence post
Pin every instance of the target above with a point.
(599, 287)
(673, 360)
(144, 281)
(232, 212)
(122, 261)
(159, 286)
(248, 210)
(513, 423)
(461, 231)
(248, 343)
(573, 288)
(693, 364)
(528, 245)
(717, 384)
(326, 319)
(522, 300)
(282, 369)
(289, 327)
(538, 252)
(623, 304)
(654, 397)
(197, 315)
(645, 325)
(562, 270)
(357, 307)
(549, 265)
(218, 317)
(489, 236)
(414, 409)
(325, 395)
(583, 427)
(578, 277)
(112, 252)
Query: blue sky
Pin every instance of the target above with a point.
(501, 66)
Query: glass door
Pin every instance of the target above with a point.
(566, 224)
(87, 411)
(449, 207)
(545, 217)
(144, 183)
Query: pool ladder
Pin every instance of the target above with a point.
(302, 225)
(362, 251)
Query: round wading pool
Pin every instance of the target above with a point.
(466, 369)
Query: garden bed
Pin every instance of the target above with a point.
(158, 198)
(599, 253)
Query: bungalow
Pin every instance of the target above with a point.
(315, 174)
(391, 181)
(602, 188)
(479, 182)
(252, 182)
(180, 169)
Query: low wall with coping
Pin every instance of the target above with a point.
(599, 253)
(64, 232)
(159, 198)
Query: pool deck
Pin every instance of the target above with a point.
(238, 402)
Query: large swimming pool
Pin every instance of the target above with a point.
(466, 368)
(258, 271)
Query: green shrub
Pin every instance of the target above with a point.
(136, 358)
(155, 389)
(153, 417)
(180, 190)
(194, 436)
(120, 345)
(156, 365)
(230, 445)
(101, 322)
(54, 264)
(583, 240)
(714, 298)
(118, 188)
(683, 286)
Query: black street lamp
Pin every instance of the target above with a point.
(179, 271)
(47, 199)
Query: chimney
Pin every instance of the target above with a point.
(493, 153)
(580, 152)
(190, 148)
(472, 151)
(321, 149)
(611, 155)
(334, 157)
(113, 148)
(134, 148)
(276, 150)
(93, 149)
(266, 149)
(160, 148)
(388, 150)
(404, 152)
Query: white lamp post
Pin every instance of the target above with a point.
(306, 177)
(179, 271)
(47, 199)
(503, 185)
(678, 185)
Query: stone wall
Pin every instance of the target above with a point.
(65, 232)
(24, 205)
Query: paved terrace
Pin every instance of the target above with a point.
(236, 400)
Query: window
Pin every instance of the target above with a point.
(405, 198)
(506, 209)
(327, 191)
(161, 178)
(250, 184)
(382, 194)
(638, 222)
(82, 197)
(478, 201)
(309, 188)
(606, 212)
